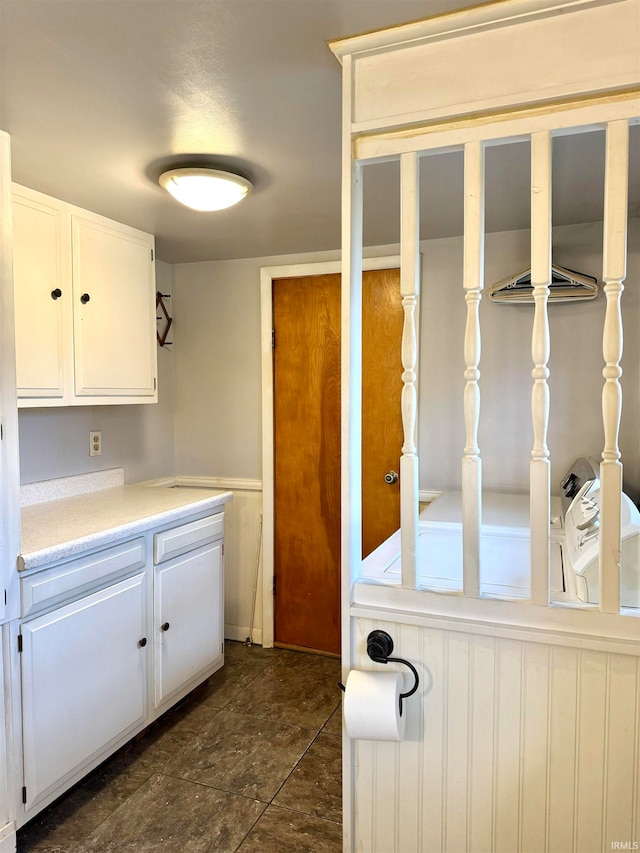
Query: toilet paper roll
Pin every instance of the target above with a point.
(372, 705)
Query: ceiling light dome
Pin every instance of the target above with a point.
(205, 189)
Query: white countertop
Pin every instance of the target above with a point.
(58, 529)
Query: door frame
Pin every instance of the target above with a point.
(267, 275)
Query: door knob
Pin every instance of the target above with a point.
(85, 298)
(391, 477)
(56, 294)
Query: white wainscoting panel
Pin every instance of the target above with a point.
(510, 747)
(242, 539)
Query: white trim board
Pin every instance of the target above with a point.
(448, 24)
(8, 838)
(196, 482)
(267, 275)
(568, 626)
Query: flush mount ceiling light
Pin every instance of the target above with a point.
(205, 189)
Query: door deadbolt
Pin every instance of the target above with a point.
(391, 477)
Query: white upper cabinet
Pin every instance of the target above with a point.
(42, 294)
(114, 309)
(85, 306)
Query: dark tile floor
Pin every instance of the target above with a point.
(249, 762)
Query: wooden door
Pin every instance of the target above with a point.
(306, 317)
(382, 436)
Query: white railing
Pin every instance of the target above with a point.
(614, 270)
(540, 475)
(613, 273)
(473, 284)
(409, 290)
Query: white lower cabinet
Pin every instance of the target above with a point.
(102, 654)
(83, 683)
(188, 619)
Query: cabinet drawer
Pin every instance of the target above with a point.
(187, 537)
(52, 586)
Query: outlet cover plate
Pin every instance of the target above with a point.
(95, 443)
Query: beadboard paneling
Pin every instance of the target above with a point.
(242, 533)
(510, 747)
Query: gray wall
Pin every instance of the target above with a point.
(218, 373)
(139, 438)
(505, 434)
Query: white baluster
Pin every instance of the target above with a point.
(614, 272)
(473, 285)
(409, 290)
(540, 480)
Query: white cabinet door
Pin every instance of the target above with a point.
(188, 618)
(42, 293)
(114, 309)
(83, 683)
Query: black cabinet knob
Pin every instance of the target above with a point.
(142, 643)
(165, 626)
(85, 298)
(56, 294)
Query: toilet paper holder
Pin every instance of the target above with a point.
(379, 649)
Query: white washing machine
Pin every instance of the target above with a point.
(581, 502)
(505, 544)
(504, 547)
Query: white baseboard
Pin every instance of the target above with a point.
(240, 634)
(428, 495)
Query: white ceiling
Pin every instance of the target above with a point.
(100, 95)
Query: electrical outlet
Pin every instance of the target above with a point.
(95, 443)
